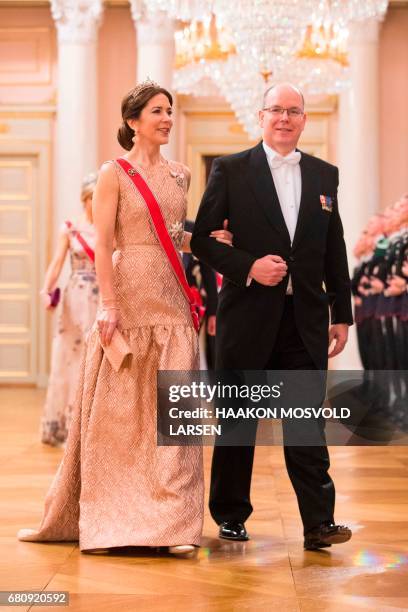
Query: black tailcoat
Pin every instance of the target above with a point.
(241, 189)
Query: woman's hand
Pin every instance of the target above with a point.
(107, 322)
(377, 286)
(54, 270)
(211, 325)
(223, 235)
(397, 286)
(364, 291)
(46, 299)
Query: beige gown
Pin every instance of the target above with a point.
(115, 486)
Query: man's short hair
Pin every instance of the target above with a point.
(267, 92)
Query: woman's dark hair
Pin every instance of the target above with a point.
(132, 105)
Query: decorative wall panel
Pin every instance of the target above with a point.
(25, 56)
(15, 313)
(18, 268)
(14, 359)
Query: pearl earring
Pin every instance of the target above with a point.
(134, 137)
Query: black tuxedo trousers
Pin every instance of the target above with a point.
(307, 466)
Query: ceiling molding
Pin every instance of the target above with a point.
(399, 4)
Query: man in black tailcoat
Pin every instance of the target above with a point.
(286, 270)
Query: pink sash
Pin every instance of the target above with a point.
(163, 235)
(82, 242)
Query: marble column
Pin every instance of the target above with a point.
(358, 149)
(76, 129)
(155, 58)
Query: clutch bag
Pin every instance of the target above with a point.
(55, 297)
(116, 350)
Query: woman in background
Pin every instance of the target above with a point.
(78, 312)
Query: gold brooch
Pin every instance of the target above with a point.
(132, 172)
(176, 231)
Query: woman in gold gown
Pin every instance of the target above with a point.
(115, 486)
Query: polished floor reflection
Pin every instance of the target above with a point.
(271, 572)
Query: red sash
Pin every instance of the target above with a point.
(163, 235)
(218, 277)
(200, 308)
(82, 242)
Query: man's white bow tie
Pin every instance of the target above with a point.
(292, 159)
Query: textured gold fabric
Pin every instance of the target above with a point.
(115, 487)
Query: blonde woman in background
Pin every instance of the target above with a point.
(78, 311)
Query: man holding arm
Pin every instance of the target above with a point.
(286, 270)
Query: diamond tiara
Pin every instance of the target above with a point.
(147, 84)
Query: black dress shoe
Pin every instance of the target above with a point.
(325, 535)
(232, 530)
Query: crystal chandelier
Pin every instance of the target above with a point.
(320, 65)
(266, 33)
(241, 11)
(241, 81)
(345, 11)
(269, 31)
(303, 41)
(201, 48)
(184, 10)
(242, 87)
(205, 39)
(325, 41)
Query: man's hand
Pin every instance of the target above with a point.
(339, 334)
(269, 270)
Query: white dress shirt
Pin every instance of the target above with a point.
(288, 183)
